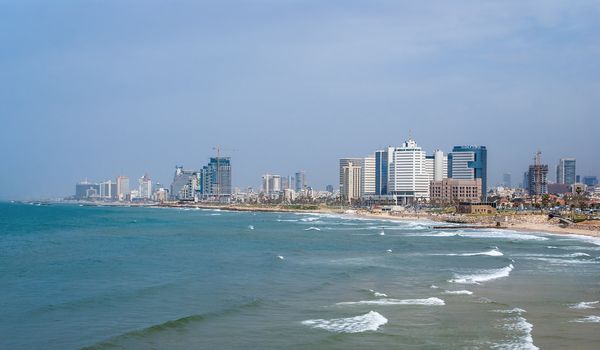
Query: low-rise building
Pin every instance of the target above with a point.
(476, 208)
(452, 191)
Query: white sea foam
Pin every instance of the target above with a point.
(523, 339)
(483, 276)
(433, 286)
(389, 250)
(382, 233)
(584, 305)
(215, 214)
(251, 227)
(280, 257)
(502, 234)
(588, 319)
(310, 219)
(511, 311)
(493, 252)
(312, 228)
(385, 301)
(370, 321)
(377, 294)
(287, 220)
(458, 292)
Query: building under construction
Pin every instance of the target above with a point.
(537, 176)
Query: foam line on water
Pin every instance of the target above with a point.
(458, 292)
(370, 321)
(386, 301)
(584, 305)
(482, 276)
(493, 252)
(378, 294)
(588, 319)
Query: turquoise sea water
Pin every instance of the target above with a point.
(151, 278)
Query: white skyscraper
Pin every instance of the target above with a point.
(408, 177)
(145, 187)
(271, 184)
(368, 175)
(437, 166)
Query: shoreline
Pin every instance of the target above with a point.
(522, 223)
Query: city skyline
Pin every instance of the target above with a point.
(94, 90)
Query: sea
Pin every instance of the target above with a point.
(100, 277)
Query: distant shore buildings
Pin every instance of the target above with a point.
(407, 175)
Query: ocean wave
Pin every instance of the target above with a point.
(310, 219)
(483, 276)
(511, 311)
(502, 234)
(312, 228)
(458, 292)
(584, 305)
(377, 294)
(588, 319)
(385, 301)
(177, 323)
(523, 339)
(287, 220)
(493, 252)
(370, 321)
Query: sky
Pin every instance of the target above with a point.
(95, 89)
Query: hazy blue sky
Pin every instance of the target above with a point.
(90, 89)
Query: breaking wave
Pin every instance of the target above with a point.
(370, 321)
(483, 276)
(458, 292)
(385, 301)
(584, 305)
(588, 319)
(493, 252)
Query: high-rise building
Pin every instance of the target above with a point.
(537, 177)
(506, 180)
(329, 188)
(408, 179)
(108, 190)
(122, 187)
(185, 184)
(368, 175)
(85, 190)
(436, 166)
(145, 187)
(565, 171)
(300, 181)
(383, 159)
(469, 163)
(350, 186)
(216, 178)
(344, 163)
(590, 181)
(271, 184)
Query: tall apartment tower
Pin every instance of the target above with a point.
(537, 176)
(565, 171)
(506, 180)
(436, 166)
(122, 187)
(368, 175)
(344, 164)
(350, 186)
(300, 181)
(408, 179)
(145, 187)
(469, 163)
(383, 159)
